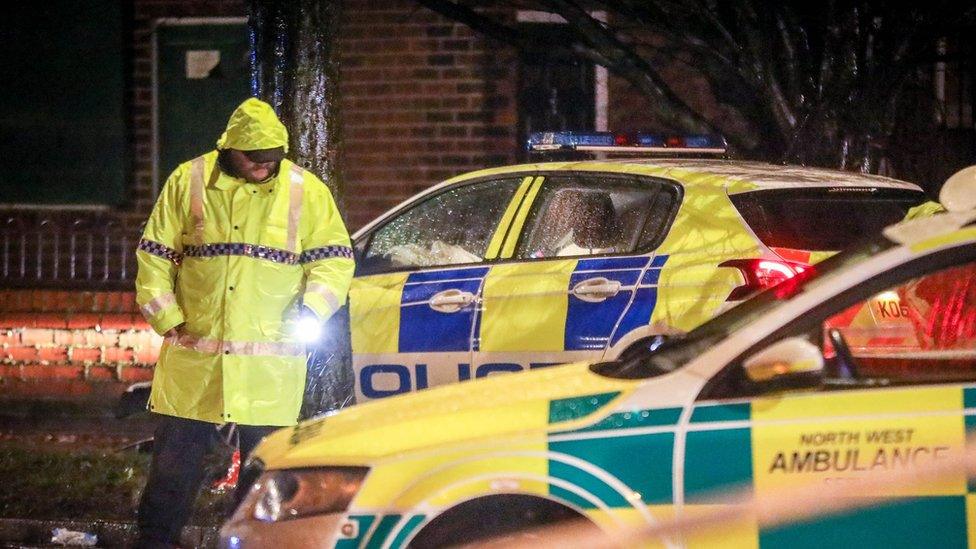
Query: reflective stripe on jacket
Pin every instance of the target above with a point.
(234, 261)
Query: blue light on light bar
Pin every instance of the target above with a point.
(626, 143)
(568, 140)
(650, 140)
(704, 142)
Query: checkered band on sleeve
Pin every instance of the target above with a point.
(239, 248)
(326, 252)
(160, 250)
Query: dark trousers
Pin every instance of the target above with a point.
(177, 472)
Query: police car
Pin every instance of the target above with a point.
(864, 362)
(522, 267)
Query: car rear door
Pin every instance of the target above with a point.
(567, 271)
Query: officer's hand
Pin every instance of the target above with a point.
(309, 326)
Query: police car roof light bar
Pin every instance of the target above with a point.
(640, 142)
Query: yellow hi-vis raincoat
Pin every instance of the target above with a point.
(235, 261)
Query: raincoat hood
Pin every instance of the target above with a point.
(254, 126)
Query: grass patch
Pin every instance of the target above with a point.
(84, 484)
(48, 408)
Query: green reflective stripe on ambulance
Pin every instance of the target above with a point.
(721, 412)
(632, 420)
(969, 397)
(363, 522)
(969, 402)
(406, 531)
(568, 409)
(918, 522)
(626, 458)
(383, 529)
(716, 461)
(585, 482)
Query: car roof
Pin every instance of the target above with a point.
(738, 174)
(734, 175)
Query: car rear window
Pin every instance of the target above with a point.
(823, 219)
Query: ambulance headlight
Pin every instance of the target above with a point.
(294, 493)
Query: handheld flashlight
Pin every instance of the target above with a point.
(308, 328)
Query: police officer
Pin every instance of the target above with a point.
(241, 245)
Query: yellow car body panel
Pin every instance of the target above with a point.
(508, 404)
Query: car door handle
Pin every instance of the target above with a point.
(595, 290)
(451, 301)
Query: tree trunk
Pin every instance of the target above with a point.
(295, 68)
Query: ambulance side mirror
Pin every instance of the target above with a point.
(958, 193)
(787, 364)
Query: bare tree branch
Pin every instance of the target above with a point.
(479, 23)
(817, 84)
(624, 62)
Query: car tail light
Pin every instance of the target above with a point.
(762, 273)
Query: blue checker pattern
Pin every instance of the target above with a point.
(160, 250)
(239, 248)
(255, 251)
(325, 252)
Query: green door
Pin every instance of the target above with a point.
(203, 74)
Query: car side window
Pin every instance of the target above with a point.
(922, 331)
(584, 214)
(450, 228)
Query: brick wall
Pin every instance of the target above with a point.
(71, 343)
(423, 99)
